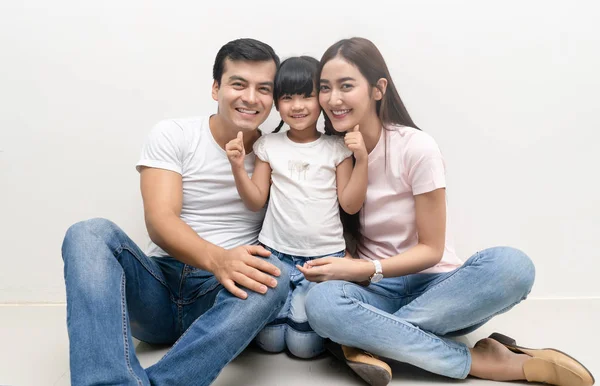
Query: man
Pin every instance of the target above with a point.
(207, 287)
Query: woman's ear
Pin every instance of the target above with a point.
(379, 90)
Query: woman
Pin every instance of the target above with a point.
(415, 291)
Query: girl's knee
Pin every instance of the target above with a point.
(304, 344)
(272, 339)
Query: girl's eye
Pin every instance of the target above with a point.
(286, 97)
(346, 86)
(323, 88)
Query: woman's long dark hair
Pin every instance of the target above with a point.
(390, 109)
(296, 76)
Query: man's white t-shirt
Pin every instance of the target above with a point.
(211, 206)
(303, 216)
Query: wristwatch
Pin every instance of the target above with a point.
(378, 275)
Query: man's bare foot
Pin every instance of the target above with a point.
(491, 360)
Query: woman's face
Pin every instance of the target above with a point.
(345, 94)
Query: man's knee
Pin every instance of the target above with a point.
(81, 233)
(82, 252)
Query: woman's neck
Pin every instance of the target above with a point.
(370, 128)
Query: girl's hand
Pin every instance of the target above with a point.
(354, 141)
(335, 268)
(235, 151)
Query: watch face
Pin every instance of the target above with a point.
(376, 277)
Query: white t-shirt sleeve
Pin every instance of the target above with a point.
(425, 164)
(164, 147)
(340, 150)
(260, 148)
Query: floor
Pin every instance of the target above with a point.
(34, 348)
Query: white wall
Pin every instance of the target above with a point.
(509, 89)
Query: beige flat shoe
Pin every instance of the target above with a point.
(371, 369)
(549, 365)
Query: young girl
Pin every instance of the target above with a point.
(312, 175)
(420, 292)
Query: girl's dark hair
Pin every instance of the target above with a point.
(296, 76)
(390, 109)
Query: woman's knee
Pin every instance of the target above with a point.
(514, 268)
(323, 307)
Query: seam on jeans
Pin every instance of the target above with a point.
(483, 320)
(468, 363)
(200, 294)
(182, 278)
(405, 325)
(141, 261)
(125, 335)
(442, 283)
(368, 289)
(117, 251)
(475, 258)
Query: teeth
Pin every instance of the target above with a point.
(299, 116)
(247, 111)
(340, 112)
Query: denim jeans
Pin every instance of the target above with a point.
(409, 318)
(114, 292)
(291, 329)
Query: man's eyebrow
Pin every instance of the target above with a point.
(241, 79)
(270, 84)
(237, 77)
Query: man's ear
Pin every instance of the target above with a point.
(215, 90)
(379, 91)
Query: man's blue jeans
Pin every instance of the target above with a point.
(114, 292)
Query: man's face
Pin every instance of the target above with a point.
(245, 95)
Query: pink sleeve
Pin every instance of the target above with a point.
(425, 164)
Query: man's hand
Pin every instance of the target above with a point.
(235, 151)
(354, 141)
(240, 267)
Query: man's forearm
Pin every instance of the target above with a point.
(180, 241)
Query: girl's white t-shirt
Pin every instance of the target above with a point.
(302, 216)
(404, 163)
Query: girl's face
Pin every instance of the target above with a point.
(299, 112)
(345, 94)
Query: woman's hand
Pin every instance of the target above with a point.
(335, 268)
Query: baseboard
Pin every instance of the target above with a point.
(62, 304)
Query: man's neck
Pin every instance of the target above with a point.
(223, 133)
